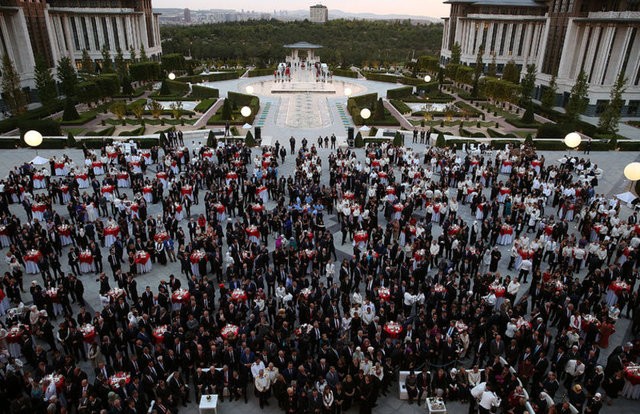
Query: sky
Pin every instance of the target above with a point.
(432, 8)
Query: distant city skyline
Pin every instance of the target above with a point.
(429, 8)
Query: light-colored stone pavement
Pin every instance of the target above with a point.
(612, 182)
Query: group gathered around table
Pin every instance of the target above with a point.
(268, 303)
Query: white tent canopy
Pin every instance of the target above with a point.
(627, 197)
(38, 160)
(247, 126)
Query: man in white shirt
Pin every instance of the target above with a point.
(257, 367)
(488, 399)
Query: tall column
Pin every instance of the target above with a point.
(507, 40)
(528, 35)
(588, 61)
(603, 53)
(497, 46)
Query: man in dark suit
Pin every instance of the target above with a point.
(496, 347)
(424, 383)
(178, 388)
(481, 349)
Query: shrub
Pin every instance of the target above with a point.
(398, 139)
(249, 141)
(211, 140)
(495, 134)
(204, 105)
(70, 112)
(528, 116)
(101, 133)
(132, 133)
(203, 92)
(260, 72)
(402, 107)
(345, 73)
(399, 93)
(629, 146)
(528, 140)
(359, 142)
(71, 141)
(550, 130)
(440, 141)
(47, 127)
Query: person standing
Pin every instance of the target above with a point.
(262, 382)
(292, 144)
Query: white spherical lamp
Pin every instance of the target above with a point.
(347, 91)
(249, 90)
(245, 111)
(172, 76)
(33, 138)
(632, 171)
(365, 113)
(427, 78)
(572, 140)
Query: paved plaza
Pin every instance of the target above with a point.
(611, 183)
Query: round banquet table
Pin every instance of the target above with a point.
(498, 291)
(52, 293)
(238, 295)
(39, 181)
(107, 191)
(98, 168)
(207, 155)
(506, 167)
(38, 209)
(86, 261)
(143, 262)
(147, 194)
(536, 165)
(159, 333)
(60, 168)
(162, 177)
(31, 260)
(263, 193)
(187, 191)
(135, 167)
(5, 241)
(178, 215)
(114, 380)
(180, 297)
(631, 388)
(66, 197)
(360, 238)
(506, 235)
(393, 329)
(14, 339)
(231, 176)
(82, 180)
(504, 192)
(115, 294)
(123, 180)
(384, 294)
(195, 258)
(220, 212)
(254, 234)
(229, 331)
(110, 235)
(56, 379)
(614, 289)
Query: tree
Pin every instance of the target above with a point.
(440, 141)
(155, 108)
(176, 110)
(249, 141)
(70, 112)
(107, 65)
(526, 90)
(226, 110)
(12, 93)
(456, 53)
(548, 99)
(45, 83)
(492, 70)
(577, 100)
(143, 54)
(478, 73)
(86, 64)
(67, 77)
(138, 111)
(132, 54)
(511, 72)
(71, 140)
(378, 112)
(211, 140)
(611, 116)
(119, 110)
(359, 141)
(121, 66)
(164, 88)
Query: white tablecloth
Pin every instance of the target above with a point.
(31, 267)
(208, 406)
(144, 268)
(86, 267)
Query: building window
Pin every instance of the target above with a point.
(74, 29)
(85, 33)
(105, 33)
(601, 105)
(116, 36)
(627, 54)
(96, 38)
(632, 109)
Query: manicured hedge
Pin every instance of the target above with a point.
(211, 77)
(101, 133)
(517, 122)
(47, 127)
(203, 92)
(261, 72)
(629, 146)
(495, 134)
(399, 93)
(204, 105)
(402, 107)
(133, 133)
(345, 73)
(471, 111)
(96, 143)
(382, 77)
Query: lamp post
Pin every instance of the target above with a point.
(33, 139)
(245, 111)
(427, 79)
(365, 114)
(249, 89)
(572, 140)
(632, 173)
(172, 76)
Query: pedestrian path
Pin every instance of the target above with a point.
(262, 116)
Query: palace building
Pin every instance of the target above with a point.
(57, 28)
(561, 37)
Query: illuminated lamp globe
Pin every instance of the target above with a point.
(172, 76)
(632, 171)
(347, 91)
(427, 78)
(245, 111)
(250, 90)
(572, 140)
(33, 138)
(365, 113)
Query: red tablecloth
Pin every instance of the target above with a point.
(390, 190)
(161, 176)
(38, 176)
(111, 231)
(85, 257)
(56, 379)
(123, 176)
(142, 257)
(474, 162)
(186, 190)
(219, 208)
(505, 190)
(232, 176)
(4, 231)
(196, 256)
(398, 207)
(438, 288)
(64, 230)
(384, 294)
(161, 236)
(375, 163)
(238, 295)
(361, 237)
(229, 330)
(147, 189)
(632, 373)
(506, 229)
(253, 231)
(39, 207)
(114, 380)
(112, 154)
(107, 189)
(81, 176)
(181, 296)
(382, 174)
(498, 290)
(349, 195)
(33, 256)
(53, 294)
(619, 286)
(88, 332)
(159, 332)
(14, 334)
(96, 164)
(393, 329)
(58, 165)
(116, 293)
(454, 230)
(506, 163)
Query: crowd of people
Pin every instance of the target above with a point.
(267, 302)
